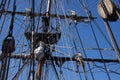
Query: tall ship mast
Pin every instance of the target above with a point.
(59, 40)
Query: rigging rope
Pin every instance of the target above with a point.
(8, 47)
(99, 50)
(2, 7)
(1, 27)
(89, 15)
(67, 26)
(10, 33)
(84, 52)
(109, 69)
(40, 10)
(1, 4)
(85, 9)
(102, 33)
(81, 62)
(32, 41)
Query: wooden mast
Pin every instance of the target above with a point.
(41, 62)
(39, 70)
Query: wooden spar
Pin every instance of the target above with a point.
(48, 5)
(78, 18)
(63, 59)
(39, 70)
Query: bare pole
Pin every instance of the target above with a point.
(48, 5)
(113, 41)
(63, 59)
(39, 70)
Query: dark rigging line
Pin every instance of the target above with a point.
(11, 30)
(42, 2)
(1, 4)
(76, 50)
(109, 69)
(33, 40)
(4, 17)
(84, 52)
(99, 50)
(2, 7)
(55, 70)
(5, 61)
(84, 7)
(102, 33)
(57, 23)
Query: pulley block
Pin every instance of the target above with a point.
(107, 10)
(8, 45)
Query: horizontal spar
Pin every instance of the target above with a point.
(77, 18)
(84, 59)
(55, 58)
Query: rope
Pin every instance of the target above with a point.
(86, 10)
(6, 61)
(11, 28)
(4, 17)
(102, 33)
(104, 8)
(2, 7)
(12, 19)
(67, 28)
(85, 55)
(1, 3)
(99, 50)
(39, 15)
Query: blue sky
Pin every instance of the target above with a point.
(66, 44)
